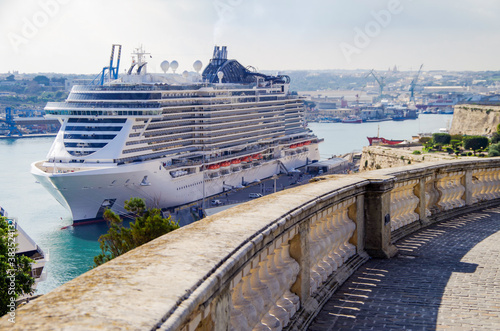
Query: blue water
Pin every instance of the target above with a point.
(71, 250)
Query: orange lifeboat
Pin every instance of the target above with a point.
(236, 161)
(214, 166)
(225, 164)
(246, 159)
(307, 142)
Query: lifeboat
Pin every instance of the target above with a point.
(246, 159)
(293, 146)
(225, 164)
(214, 166)
(307, 142)
(236, 161)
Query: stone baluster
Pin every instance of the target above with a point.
(329, 241)
(337, 253)
(325, 260)
(490, 184)
(280, 272)
(317, 272)
(265, 293)
(274, 286)
(344, 221)
(256, 300)
(461, 188)
(433, 195)
(395, 207)
(496, 189)
(334, 238)
(476, 185)
(293, 269)
(442, 186)
(243, 313)
(351, 227)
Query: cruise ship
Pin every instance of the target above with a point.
(172, 138)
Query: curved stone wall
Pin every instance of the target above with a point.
(268, 264)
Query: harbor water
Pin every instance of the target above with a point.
(72, 249)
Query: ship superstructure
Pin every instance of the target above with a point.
(172, 139)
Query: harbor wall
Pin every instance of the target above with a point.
(271, 263)
(471, 119)
(382, 157)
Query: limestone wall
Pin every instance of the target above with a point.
(475, 119)
(379, 157)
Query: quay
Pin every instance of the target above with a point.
(413, 247)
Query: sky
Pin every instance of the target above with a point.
(75, 36)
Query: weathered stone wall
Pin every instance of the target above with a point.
(270, 263)
(475, 119)
(380, 157)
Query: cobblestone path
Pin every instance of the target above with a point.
(446, 277)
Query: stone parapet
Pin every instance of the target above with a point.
(270, 263)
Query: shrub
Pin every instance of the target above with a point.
(416, 152)
(455, 142)
(494, 150)
(469, 154)
(495, 138)
(424, 140)
(458, 137)
(475, 142)
(441, 138)
(481, 155)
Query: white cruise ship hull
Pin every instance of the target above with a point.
(87, 193)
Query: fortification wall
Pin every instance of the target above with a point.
(380, 157)
(475, 119)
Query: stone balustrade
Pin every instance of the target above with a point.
(269, 264)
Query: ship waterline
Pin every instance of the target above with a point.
(172, 139)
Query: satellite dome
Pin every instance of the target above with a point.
(174, 65)
(185, 74)
(164, 66)
(220, 75)
(197, 65)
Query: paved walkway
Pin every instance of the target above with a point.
(446, 277)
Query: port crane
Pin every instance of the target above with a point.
(414, 83)
(112, 70)
(9, 120)
(380, 80)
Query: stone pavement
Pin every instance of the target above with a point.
(446, 277)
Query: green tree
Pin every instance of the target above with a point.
(10, 78)
(149, 224)
(441, 138)
(15, 270)
(475, 143)
(42, 80)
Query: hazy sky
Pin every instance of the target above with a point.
(75, 36)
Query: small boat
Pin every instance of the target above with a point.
(352, 119)
(236, 161)
(383, 141)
